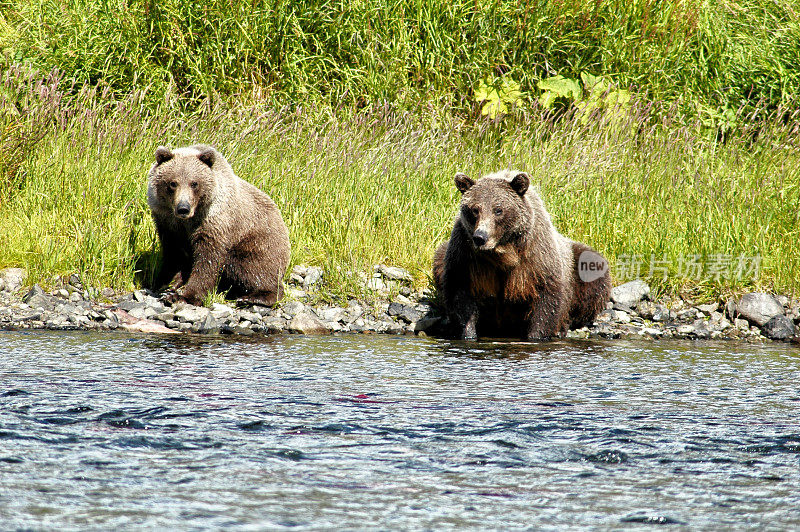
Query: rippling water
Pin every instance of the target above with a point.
(105, 430)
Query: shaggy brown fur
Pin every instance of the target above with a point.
(215, 227)
(506, 271)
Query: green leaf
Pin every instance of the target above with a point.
(492, 108)
(561, 86)
(483, 91)
(589, 81)
(510, 91)
(547, 99)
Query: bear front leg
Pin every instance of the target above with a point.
(546, 313)
(206, 267)
(465, 310)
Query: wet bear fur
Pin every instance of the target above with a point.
(506, 271)
(215, 229)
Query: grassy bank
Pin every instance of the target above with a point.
(359, 187)
(708, 58)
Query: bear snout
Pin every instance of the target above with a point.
(183, 209)
(479, 238)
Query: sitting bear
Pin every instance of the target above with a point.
(215, 228)
(506, 271)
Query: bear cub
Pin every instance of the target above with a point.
(215, 229)
(506, 271)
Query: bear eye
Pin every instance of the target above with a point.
(194, 185)
(172, 185)
(498, 211)
(475, 212)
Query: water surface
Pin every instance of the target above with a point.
(111, 430)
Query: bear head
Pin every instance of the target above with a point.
(494, 211)
(182, 181)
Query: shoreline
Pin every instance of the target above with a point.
(398, 309)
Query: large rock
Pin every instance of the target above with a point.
(208, 325)
(629, 294)
(394, 273)
(37, 298)
(293, 308)
(779, 328)
(191, 314)
(12, 279)
(307, 323)
(759, 308)
(405, 312)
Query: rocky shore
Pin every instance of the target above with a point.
(397, 308)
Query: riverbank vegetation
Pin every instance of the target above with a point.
(683, 169)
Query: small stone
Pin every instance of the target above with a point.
(306, 323)
(241, 330)
(741, 324)
(630, 293)
(191, 314)
(299, 270)
(687, 315)
(208, 325)
(295, 279)
(646, 309)
(75, 280)
(139, 295)
(782, 300)
(394, 273)
(252, 317)
(313, 277)
(12, 279)
(621, 316)
(779, 328)
(730, 309)
(425, 324)
(334, 314)
(128, 305)
(293, 307)
(108, 293)
(406, 313)
(220, 311)
(377, 285)
(274, 324)
(662, 313)
(759, 308)
(700, 329)
(652, 331)
(143, 313)
(709, 308)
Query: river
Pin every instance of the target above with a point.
(108, 430)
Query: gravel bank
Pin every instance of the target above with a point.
(398, 309)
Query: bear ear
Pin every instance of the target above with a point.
(520, 183)
(207, 156)
(463, 183)
(163, 155)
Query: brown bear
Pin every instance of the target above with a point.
(506, 271)
(215, 228)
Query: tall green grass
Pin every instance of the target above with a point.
(363, 186)
(706, 57)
